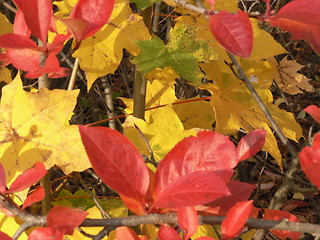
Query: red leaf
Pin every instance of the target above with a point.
(314, 111)
(168, 233)
(192, 189)
(233, 31)
(270, 214)
(28, 178)
(205, 238)
(95, 13)
(3, 187)
(58, 215)
(240, 191)
(250, 144)
(45, 234)
(11, 40)
(116, 160)
(236, 217)
(4, 236)
(301, 19)
(125, 233)
(24, 59)
(34, 197)
(38, 14)
(310, 161)
(209, 151)
(188, 220)
(20, 26)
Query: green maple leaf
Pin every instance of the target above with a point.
(155, 54)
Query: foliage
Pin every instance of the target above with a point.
(190, 167)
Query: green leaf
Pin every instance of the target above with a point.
(154, 53)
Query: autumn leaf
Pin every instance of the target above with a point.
(154, 54)
(101, 53)
(35, 128)
(163, 131)
(6, 26)
(288, 78)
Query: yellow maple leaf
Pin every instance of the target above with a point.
(163, 131)
(166, 75)
(235, 108)
(288, 78)
(34, 127)
(101, 54)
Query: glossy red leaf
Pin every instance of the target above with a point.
(4, 236)
(209, 151)
(250, 144)
(235, 220)
(38, 14)
(188, 220)
(301, 19)
(240, 191)
(314, 111)
(57, 216)
(34, 197)
(95, 13)
(20, 26)
(3, 187)
(17, 41)
(270, 214)
(125, 233)
(117, 161)
(168, 233)
(45, 234)
(28, 178)
(192, 189)
(24, 59)
(233, 31)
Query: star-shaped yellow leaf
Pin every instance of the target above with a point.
(34, 127)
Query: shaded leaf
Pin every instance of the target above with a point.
(125, 233)
(288, 78)
(314, 111)
(236, 217)
(233, 32)
(188, 220)
(34, 197)
(3, 187)
(251, 144)
(195, 188)
(271, 214)
(168, 233)
(57, 216)
(45, 234)
(301, 20)
(28, 178)
(116, 161)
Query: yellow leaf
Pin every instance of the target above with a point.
(101, 54)
(34, 127)
(235, 108)
(6, 26)
(166, 75)
(150, 231)
(9, 226)
(198, 114)
(114, 207)
(5, 75)
(288, 78)
(163, 131)
(205, 230)
(264, 46)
